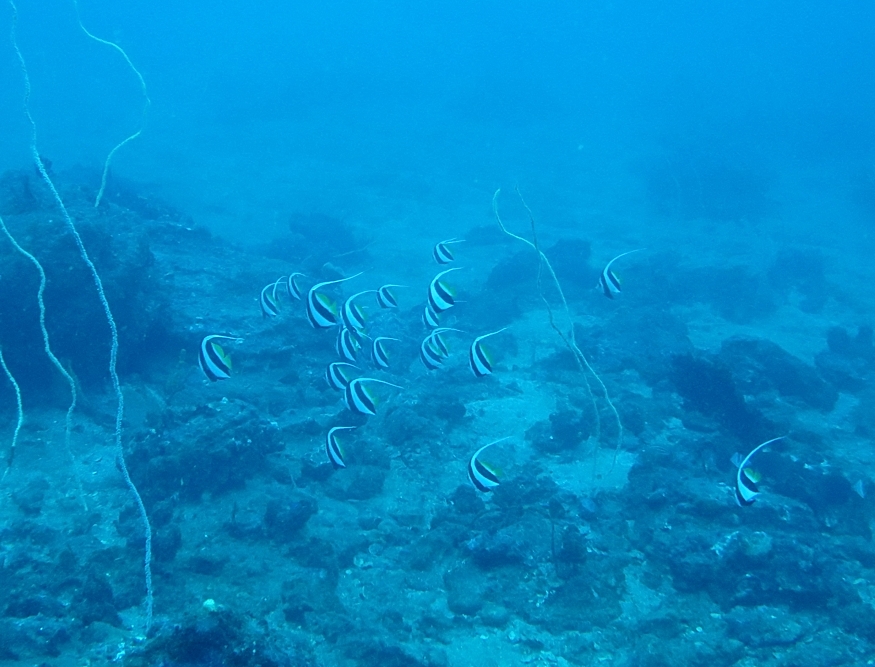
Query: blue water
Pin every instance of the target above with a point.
(495, 92)
(730, 145)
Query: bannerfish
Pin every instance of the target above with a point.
(746, 480)
(442, 253)
(336, 377)
(483, 476)
(351, 313)
(359, 399)
(479, 359)
(433, 349)
(293, 288)
(438, 342)
(440, 296)
(431, 358)
(213, 360)
(347, 344)
(430, 318)
(378, 351)
(608, 281)
(321, 311)
(332, 447)
(386, 298)
(276, 287)
(269, 307)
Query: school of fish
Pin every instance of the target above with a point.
(359, 392)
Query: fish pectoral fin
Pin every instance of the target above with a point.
(327, 302)
(222, 354)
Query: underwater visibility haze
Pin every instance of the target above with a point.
(437, 334)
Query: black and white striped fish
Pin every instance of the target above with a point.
(351, 313)
(276, 287)
(347, 345)
(213, 360)
(292, 287)
(479, 359)
(483, 476)
(332, 446)
(359, 398)
(608, 281)
(437, 340)
(431, 358)
(267, 301)
(378, 351)
(433, 349)
(746, 480)
(386, 298)
(430, 318)
(442, 253)
(321, 310)
(440, 296)
(336, 377)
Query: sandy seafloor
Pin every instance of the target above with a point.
(265, 555)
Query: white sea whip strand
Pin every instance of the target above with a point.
(20, 421)
(113, 356)
(68, 421)
(146, 103)
(569, 338)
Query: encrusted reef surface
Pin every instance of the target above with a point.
(265, 554)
